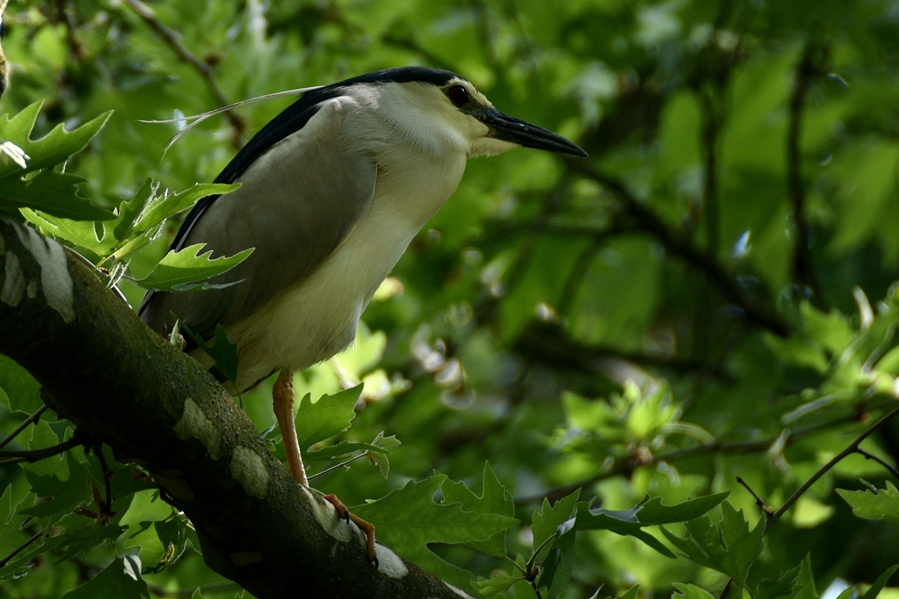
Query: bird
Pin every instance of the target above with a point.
(333, 190)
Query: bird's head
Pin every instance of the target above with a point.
(442, 107)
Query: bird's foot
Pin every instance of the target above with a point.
(366, 527)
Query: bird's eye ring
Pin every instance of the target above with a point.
(458, 95)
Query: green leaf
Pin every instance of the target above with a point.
(559, 563)
(81, 234)
(689, 591)
(648, 512)
(50, 191)
(342, 450)
(22, 391)
(547, 521)
(496, 584)
(778, 586)
(880, 505)
(327, 417)
(874, 590)
(119, 580)
(221, 350)
(42, 437)
(804, 588)
(53, 193)
(729, 547)
(173, 534)
(407, 520)
(171, 203)
(50, 150)
(185, 270)
(65, 494)
(82, 534)
(385, 444)
(630, 594)
(493, 500)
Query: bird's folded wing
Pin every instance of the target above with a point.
(298, 200)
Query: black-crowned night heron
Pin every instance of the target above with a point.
(333, 190)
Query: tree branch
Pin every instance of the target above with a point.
(803, 269)
(119, 382)
(171, 38)
(650, 222)
(852, 448)
(33, 418)
(627, 465)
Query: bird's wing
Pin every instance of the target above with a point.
(299, 199)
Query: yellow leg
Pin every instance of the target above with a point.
(366, 527)
(283, 396)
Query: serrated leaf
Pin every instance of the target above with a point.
(82, 534)
(221, 350)
(47, 151)
(120, 580)
(545, 522)
(804, 588)
(648, 512)
(407, 520)
(172, 203)
(65, 494)
(327, 417)
(53, 193)
(341, 450)
(494, 499)
(42, 437)
(559, 563)
(778, 586)
(23, 392)
(882, 505)
(729, 546)
(380, 457)
(186, 269)
(689, 591)
(173, 534)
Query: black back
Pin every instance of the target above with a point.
(293, 118)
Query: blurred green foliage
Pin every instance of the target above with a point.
(709, 295)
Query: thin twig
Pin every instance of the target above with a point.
(852, 448)
(758, 500)
(675, 244)
(33, 418)
(710, 129)
(870, 456)
(21, 547)
(38, 454)
(625, 466)
(171, 38)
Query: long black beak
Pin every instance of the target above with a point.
(508, 128)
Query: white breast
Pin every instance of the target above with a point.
(317, 318)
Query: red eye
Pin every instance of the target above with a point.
(458, 95)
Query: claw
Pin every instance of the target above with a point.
(366, 527)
